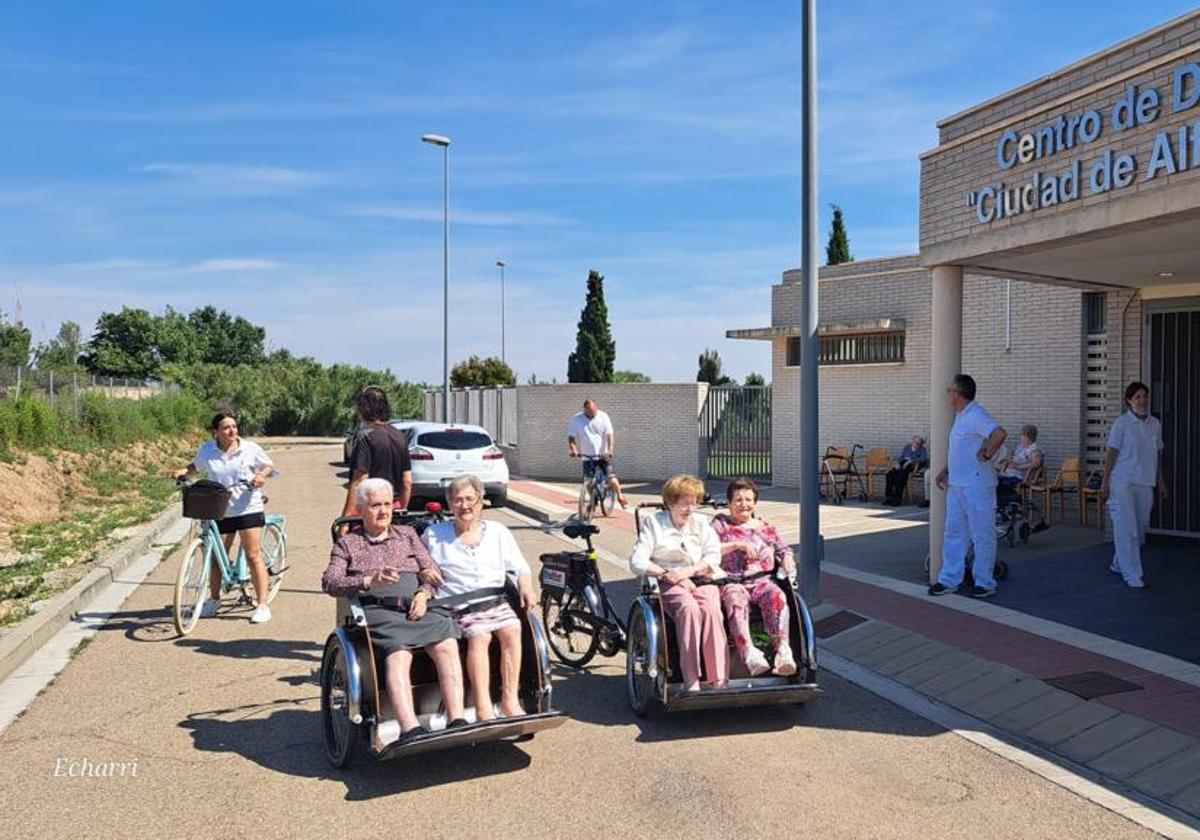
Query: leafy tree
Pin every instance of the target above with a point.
(755, 379)
(223, 339)
(15, 343)
(124, 344)
(595, 350)
(626, 376)
(710, 369)
(176, 338)
(62, 353)
(476, 372)
(837, 251)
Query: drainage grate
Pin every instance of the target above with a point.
(1092, 684)
(831, 625)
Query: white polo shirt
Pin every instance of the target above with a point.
(231, 469)
(1138, 442)
(972, 426)
(466, 569)
(590, 433)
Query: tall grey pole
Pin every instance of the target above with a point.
(503, 355)
(446, 283)
(812, 548)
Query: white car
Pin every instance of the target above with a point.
(443, 451)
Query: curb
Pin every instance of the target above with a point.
(528, 507)
(34, 631)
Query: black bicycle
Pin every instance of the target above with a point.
(579, 618)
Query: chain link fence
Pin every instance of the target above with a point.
(66, 387)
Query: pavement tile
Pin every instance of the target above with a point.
(1172, 775)
(990, 706)
(852, 647)
(1075, 720)
(940, 666)
(1187, 799)
(1104, 737)
(908, 659)
(1032, 712)
(885, 653)
(972, 672)
(1132, 758)
(990, 682)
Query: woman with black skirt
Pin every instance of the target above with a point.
(391, 571)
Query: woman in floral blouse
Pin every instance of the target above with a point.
(750, 546)
(391, 572)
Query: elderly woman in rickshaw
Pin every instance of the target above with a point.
(751, 548)
(476, 554)
(679, 548)
(391, 572)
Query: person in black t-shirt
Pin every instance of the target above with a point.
(381, 453)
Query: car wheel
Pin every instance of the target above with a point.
(500, 499)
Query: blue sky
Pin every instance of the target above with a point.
(265, 157)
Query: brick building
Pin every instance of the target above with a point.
(1059, 260)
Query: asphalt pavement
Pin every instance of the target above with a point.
(219, 734)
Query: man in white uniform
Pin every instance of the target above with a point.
(1132, 470)
(970, 484)
(590, 435)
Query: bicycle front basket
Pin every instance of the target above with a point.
(205, 500)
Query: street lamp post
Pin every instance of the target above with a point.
(502, 264)
(812, 548)
(444, 142)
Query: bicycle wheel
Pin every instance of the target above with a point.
(604, 499)
(639, 685)
(574, 641)
(274, 555)
(343, 737)
(587, 501)
(190, 586)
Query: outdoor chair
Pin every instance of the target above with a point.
(1089, 492)
(1067, 482)
(915, 486)
(879, 462)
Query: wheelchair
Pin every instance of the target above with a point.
(652, 675)
(357, 718)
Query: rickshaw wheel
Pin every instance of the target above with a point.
(343, 738)
(576, 646)
(274, 555)
(1000, 572)
(638, 682)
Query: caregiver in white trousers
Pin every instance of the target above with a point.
(1132, 472)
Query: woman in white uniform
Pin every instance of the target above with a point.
(1132, 471)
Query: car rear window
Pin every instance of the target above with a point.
(454, 440)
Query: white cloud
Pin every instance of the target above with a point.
(409, 213)
(234, 178)
(229, 265)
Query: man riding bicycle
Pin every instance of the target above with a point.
(590, 436)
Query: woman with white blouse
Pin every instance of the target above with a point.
(477, 554)
(679, 547)
(243, 467)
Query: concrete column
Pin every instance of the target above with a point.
(945, 361)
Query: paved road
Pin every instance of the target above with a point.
(224, 728)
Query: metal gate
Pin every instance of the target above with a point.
(735, 433)
(1174, 365)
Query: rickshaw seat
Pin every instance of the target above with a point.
(580, 529)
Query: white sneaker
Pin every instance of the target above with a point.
(785, 664)
(756, 663)
(1136, 583)
(210, 607)
(262, 614)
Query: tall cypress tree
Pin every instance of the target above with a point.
(595, 350)
(838, 249)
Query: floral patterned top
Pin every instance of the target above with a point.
(763, 536)
(356, 555)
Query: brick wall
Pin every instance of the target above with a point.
(656, 428)
(1039, 381)
(966, 158)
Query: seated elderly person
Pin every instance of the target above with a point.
(1026, 459)
(678, 546)
(389, 569)
(476, 554)
(912, 457)
(751, 546)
